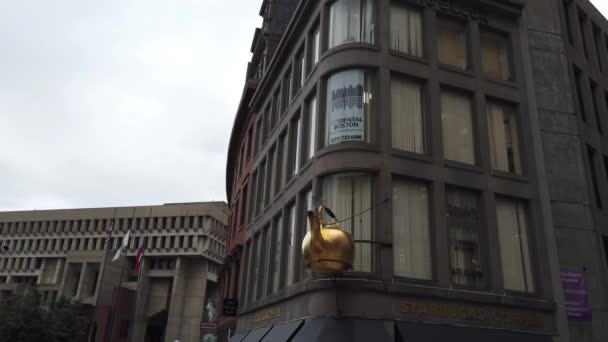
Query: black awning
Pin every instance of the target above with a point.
(256, 335)
(423, 332)
(342, 330)
(239, 337)
(282, 332)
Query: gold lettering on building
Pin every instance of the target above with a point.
(472, 312)
(267, 315)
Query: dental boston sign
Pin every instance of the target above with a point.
(346, 119)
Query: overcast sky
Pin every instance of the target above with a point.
(120, 102)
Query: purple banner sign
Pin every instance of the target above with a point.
(576, 295)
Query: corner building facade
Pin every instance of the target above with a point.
(462, 143)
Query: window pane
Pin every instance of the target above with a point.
(504, 141)
(453, 43)
(312, 127)
(457, 127)
(464, 223)
(407, 124)
(495, 55)
(406, 30)
(291, 244)
(316, 46)
(349, 95)
(276, 254)
(347, 195)
(411, 236)
(351, 21)
(514, 247)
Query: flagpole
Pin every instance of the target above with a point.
(99, 288)
(139, 273)
(122, 269)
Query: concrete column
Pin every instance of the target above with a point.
(81, 280)
(187, 301)
(176, 303)
(140, 317)
(42, 271)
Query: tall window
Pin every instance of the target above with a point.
(407, 120)
(349, 106)
(406, 30)
(464, 224)
(347, 195)
(252, 196)
(504, 141)
(275, 252)
(315, 47)
(287, 91)
(514, 246)
(411, 232)
(452, 40)
(270, 174)
(298, 72)
(596, 111)
(281, 160)
(311, 129)
(295, 146)
(351, 21)
(495, 55)
(457, 127)
(290, 232)
(594, 181)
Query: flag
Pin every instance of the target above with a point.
(140, 254)
(123, 246)
(108, 243)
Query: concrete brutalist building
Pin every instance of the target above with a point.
(61, 253)
(463, 143)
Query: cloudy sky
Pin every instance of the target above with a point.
(120, 102)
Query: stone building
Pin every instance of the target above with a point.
(464, 144)
(61, 253)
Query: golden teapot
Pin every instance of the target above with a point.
(325, 247)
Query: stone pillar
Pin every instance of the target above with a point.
(141, 303)
(81, 280)
(187, 301)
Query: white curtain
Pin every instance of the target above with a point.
(351, 21)
(291, 244)
(504, 142)
(406, 116)
(347, 195)
(406, 30)
(312, 128)
(514, 247)
(298, 146)
(495, 55)
(457, 127)
(276, 253)
(453, 43)
(411, 235)
(316, 47)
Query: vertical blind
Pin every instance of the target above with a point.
(291, 244)
(495, 55)
(411, 233)
(464, 224)
(312, 127)
(514, 247)
(457, 127)
(347, 195)
(351, 21)
(407, 122)
(452, 39)
(406, 30)
(504, 142)
(275, 246)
